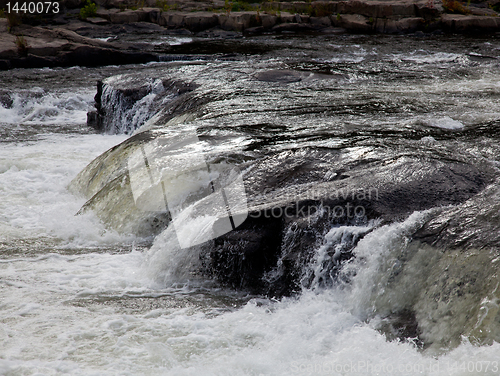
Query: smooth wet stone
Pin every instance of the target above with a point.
(97, 20)
(459, 22)
(355, 22)
(281, 75)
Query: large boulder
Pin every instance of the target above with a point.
(461, 23)
(238, 21)
(200, 21)
(293, 196)
(355, 22)
(129, 16)
(320, 22)
(172, 20)
(61, 47)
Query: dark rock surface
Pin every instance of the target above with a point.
(56, 46)
(49, 42)
(293, 198)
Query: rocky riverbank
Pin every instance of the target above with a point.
(68, 39)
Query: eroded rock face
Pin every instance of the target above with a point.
(49, 46)
(462, 23)
(123, 107)
(294, 196)
(61, 47)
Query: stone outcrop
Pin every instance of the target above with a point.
(363, 16)
(48, 46)
(287, 221)
(44, 47)
(464, 23)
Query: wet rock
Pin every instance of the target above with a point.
(200, 21)
(294, 196)
(5, 64)
(61, 47)
(356, 23)
(427, 12)
(473, 225)
(268, 21)
(238, 21)
(114, 103)
(462, 23)
(368, 9)
(97, 20)
(403, 9)
(334, 30)
(128, 16)
(172, 20)
(243, 257)
(255, 30)
(292, 27)
(405, 25)
(288, 18)
(8, 49)
(285, 76)
(320, 22)
(5, 99)
(106, 13)
(121, 4)
(476, 11)
(154, 15)
(324, 7)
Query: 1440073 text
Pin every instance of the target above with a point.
(33, 7)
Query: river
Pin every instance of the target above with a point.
(79, 297)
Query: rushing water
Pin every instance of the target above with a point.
(80, 298)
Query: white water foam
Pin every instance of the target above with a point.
(425, 57)
(444, 122)
(33, 185)
(64, 315)
(171, 41)
(36, 106)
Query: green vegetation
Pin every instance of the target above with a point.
(238, 6)
(13, 20)
(454, 6)
(320, 10)
(163, 5)
(228, 6)
(242, 5)
(2, 13)
(268, 8)
(138, 5)
(89, 10)
(22, 45)
(274, 8)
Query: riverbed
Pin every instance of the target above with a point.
(79, 297)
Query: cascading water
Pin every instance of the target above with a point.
(129, 112)
(370, 246)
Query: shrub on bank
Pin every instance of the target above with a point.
(89, 10)
(22, 45)
(454, 6)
